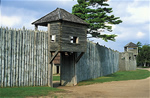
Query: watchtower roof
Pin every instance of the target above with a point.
(131, 45)
(57, 15)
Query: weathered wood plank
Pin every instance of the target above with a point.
(49, 56)
(37, 61)
(3, 55)
(44, 60)
(9, 57)
(31, 57)
(28, 61)
(14, 59)
(43, 75)
(39, 58)
(35, 57)
(25, 65)
(6, 57)
(43, 67)
(12, 54)
(17, 58)
(46, 52)
(28, 57)
(20, 58)
(23, 57)
(0, 52)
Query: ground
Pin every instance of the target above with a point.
(115, 89)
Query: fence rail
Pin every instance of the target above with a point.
(23, 58)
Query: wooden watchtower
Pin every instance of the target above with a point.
(131, 47)
(67, 35)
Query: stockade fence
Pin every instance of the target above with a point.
(23, 58)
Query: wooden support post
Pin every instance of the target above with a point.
(78, 58)
(36, 27)
(50, 76)
(68, 70)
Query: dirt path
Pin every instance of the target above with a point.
(115, 89)
(120, 89)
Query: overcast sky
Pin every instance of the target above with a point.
(135, 15)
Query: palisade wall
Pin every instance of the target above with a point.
(97, 61)
(23, 58)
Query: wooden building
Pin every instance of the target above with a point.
(131, 47)
(67, 35)
(67, 31)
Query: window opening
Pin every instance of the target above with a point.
(74, 39)
(131, 48)
(53, 38)
(129, 58)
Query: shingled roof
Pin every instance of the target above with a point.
(56, 15)
(131, 45)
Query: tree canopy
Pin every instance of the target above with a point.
(139, 44)
(97, 14)
(143, 57)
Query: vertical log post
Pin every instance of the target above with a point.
(68, 69)
(36, 28)
(50, 76)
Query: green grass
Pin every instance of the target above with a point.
(146, 67)
(21, 92)
(119, 76)
(56, 78)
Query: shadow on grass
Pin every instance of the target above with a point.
(114, 75)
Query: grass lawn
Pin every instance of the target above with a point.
(21, 92)
(119, 76)
(56, 78)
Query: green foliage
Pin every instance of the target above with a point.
(119, 76)
(143, 57)
(20, 92)
(108, 37)
(97, 14)
(139, 44)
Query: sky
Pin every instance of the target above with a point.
(135, 15)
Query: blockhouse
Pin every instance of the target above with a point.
(67, 36)
(131, 47)
(67, 31)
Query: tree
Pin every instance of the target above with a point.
(143, 57)
(97, 14)
(139, 44)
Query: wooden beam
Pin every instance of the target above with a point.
(49, 56)
(53, 57)
(78, 58)
(36, 27)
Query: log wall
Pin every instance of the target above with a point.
(23, 58)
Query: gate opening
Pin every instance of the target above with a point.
(56, 71)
